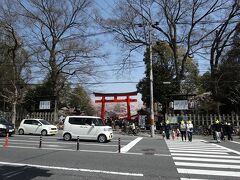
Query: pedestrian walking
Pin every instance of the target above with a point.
(223, 132)
(173, 134)
(229, 130)
(163, 134)
(133, 128)
(189, 130)
(167, 129)
(217, 129)
(177, 133)
(183, 129)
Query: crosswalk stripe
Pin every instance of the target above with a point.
(195, 146)
(204, 159)
(209, 150)
(226, 166)
(197, 152)
(192, 179)
(209, 172)
(206, 155)
(207, 160)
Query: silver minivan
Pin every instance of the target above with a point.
(86, 127)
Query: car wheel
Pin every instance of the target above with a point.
(67, 137)
(44, 133)
(102, 138)
(20, 131)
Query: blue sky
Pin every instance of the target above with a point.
(113, 62)
(134, 74)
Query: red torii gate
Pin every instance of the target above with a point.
(115, 96)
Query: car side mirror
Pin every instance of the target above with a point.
(39, 124)
(93, 124)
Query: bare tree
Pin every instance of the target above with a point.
(180, 23)
(15, 59)
(220, 42)
(59, 35)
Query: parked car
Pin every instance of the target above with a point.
(6, 126)
(37, 126)
(86, 127)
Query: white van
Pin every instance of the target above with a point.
(37, 126)
(86, 127)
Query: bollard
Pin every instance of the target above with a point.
(40, 142)
(6, 141)
(119, 146)
(78, 143)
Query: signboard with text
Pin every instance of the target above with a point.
(44, 105)
(142, 121)
(180, 105)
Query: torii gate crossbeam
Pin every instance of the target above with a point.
(114, 100)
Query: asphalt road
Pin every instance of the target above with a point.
(141, 157)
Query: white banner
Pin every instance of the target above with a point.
(180, 105)
(44, 105)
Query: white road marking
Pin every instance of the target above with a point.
(60, 149)
(36, 144)
(87, 151)
(52, 145)
(235, 142)
(202, 150)
(122, 140)
(192, 179)
(209, 172)
(73, 169)
(130, 145)
(196, 148)
(167, 155)
(230, 150)
(201, 155)
(190, 145)
(204, 155)
(207, 160)
(226, 166)
(197, 152)
(31, 136)
(65, 143)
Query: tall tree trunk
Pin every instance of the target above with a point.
(55, 117)
(14, 107)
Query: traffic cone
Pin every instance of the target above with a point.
(6, 141)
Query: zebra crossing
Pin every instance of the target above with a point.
(200, 160)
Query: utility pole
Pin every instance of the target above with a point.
(150, 74)
(151, 84)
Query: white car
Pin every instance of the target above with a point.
(86, 127)
(37, 126)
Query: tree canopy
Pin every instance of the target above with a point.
(164, 75)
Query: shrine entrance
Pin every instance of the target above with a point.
(114, 99)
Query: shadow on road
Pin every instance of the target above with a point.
(23, 172)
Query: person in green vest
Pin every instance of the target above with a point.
(183, 129)
(189, 130)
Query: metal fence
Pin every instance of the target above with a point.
(205, 119)
(49, 116)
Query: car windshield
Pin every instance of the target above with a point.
(3, 121)
(98, 122)
(44, 122)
